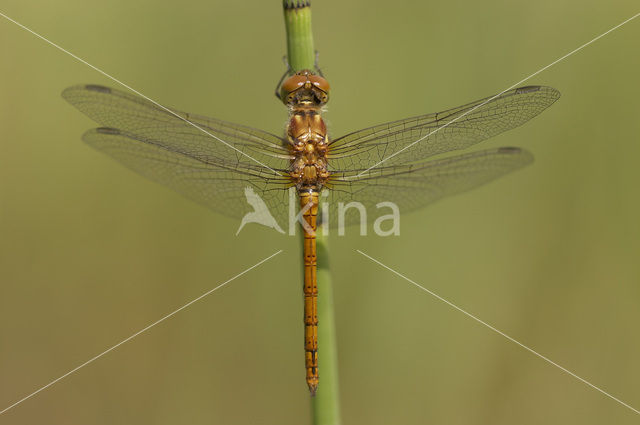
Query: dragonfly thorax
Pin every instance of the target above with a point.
(308, 144)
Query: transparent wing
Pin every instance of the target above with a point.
(412, 186)
(212, 167)
(215, 169)
(220, 142)
(415, 139)
(218, 185)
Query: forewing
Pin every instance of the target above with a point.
(415, 139)
(199, 137)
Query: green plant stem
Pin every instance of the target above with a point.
(297, 20)
(325, 404)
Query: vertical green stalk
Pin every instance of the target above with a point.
(325, 405)
(297, 21)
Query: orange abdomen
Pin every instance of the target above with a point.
(309, 200)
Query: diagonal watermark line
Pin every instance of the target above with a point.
(135, 91)
(499, 94)
(137, 333)
(546, 359)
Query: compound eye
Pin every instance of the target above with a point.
(320, 83)
(292, 84)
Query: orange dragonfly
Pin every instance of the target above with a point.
(213, 161)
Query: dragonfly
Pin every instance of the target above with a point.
(212, 161)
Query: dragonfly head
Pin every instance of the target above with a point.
(305, 87)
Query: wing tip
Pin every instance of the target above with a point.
(509, 149)
(554, 93)
(66, 93)
(97, 87)
(525, 157)
(107, 130)
(91, 135)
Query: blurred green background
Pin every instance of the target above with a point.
(90, 252)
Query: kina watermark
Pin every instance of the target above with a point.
(386, 215)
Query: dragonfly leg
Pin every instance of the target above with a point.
(285, 75)
(315, 64)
